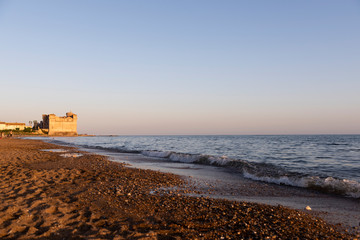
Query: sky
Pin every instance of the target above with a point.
(160, 67)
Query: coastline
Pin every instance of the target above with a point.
(224, 183)
(45, 195)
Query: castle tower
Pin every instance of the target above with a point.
(61, 126)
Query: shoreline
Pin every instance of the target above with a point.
(327, 169)
(222, 183)
(45, 195)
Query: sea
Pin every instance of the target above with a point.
(328, 163)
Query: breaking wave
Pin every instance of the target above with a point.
(266, 173)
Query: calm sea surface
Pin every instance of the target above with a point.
(328, 162)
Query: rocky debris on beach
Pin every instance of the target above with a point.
(47, 196)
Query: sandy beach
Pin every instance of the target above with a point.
(48, 196)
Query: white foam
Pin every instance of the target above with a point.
(188, 158)
(339, 186)
(223, 160)
(282, 180)
(348, 187)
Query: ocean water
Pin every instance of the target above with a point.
(329, 163)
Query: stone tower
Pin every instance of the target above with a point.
(60, 126)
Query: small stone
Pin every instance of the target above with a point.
(308, 208)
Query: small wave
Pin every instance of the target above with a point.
(342, 187)
(183, 157)
(354, 150)
(110, 149)
(281, 180)
(266, 173)
(337, 186)
(187, 157)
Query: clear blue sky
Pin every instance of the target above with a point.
(183, 67)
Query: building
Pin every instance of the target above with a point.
(60, 126)
(12, 126)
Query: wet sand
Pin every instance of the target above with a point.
(48, 196)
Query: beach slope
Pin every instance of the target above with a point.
(44, 195)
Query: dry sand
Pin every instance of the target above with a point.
(46, 196)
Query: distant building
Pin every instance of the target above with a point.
(60, 126)
(12, 126)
